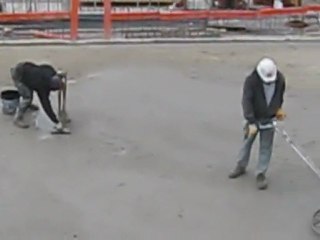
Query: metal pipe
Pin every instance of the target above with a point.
(307, 160)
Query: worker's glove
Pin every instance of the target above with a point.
(59, 129)
(280, 115)
(58, 126)
(252, 130)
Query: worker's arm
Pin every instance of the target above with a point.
(280, 114)
(283, 89)
(46, 104)
(247, 106)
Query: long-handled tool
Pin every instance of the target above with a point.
(298, 150)
(316, 216)
(62, 102)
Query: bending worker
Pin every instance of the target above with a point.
(262, 101)
(42, 79)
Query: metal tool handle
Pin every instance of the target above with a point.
(62, 99)
(297, 149)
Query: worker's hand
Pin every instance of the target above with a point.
(58, 126)
(59, 129)
(280, 115)
(252, 130)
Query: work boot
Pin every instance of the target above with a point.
(34, 107)
(237, 172)
(262, 183)
(20, 123)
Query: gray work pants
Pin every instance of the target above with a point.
(26, 94)
(265, 149)
(25, 102)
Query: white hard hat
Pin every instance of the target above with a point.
(267, 70)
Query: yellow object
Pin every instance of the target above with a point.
(280, 115)
(252, 129)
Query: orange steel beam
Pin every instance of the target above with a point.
(47, 35)
(107, 20)
(315, 8)
(236, 14)
(283, 11)
(74, 19)
(183, 15)
(154, 15)
(211, 14)
(33, 16)
(134, 16)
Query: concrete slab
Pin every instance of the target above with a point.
(155, 132)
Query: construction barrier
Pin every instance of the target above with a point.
(44, 19)
(211, 23)
(66, 21)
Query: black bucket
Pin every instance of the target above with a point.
(10, 101)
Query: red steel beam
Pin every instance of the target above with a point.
(74, 19)
(156, 15)
(212, 14)
(33, 16)
(107, 20)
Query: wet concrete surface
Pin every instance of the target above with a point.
(155, 132)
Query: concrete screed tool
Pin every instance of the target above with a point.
(62, 102)
(311, 165)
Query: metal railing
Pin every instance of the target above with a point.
(23, 6)
(70, 23)
(215, 23)
(39, 18)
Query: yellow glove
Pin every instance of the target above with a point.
(280, 115)
(252, 130)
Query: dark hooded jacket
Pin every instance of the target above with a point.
(38, 78)
(254, 104)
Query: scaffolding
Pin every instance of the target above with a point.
(66, 21)
(23, 6)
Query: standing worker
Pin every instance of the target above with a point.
(42, 79)
(262, 101)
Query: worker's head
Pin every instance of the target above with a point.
(57, 83)
(267, 70)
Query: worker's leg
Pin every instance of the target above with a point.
(26, 96)
(245, 151)
(16, 75)
(265, 152)
(244, 154)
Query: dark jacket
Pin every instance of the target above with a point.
(38, 78)
(255, 108)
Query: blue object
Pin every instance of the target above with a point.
(10, 101)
